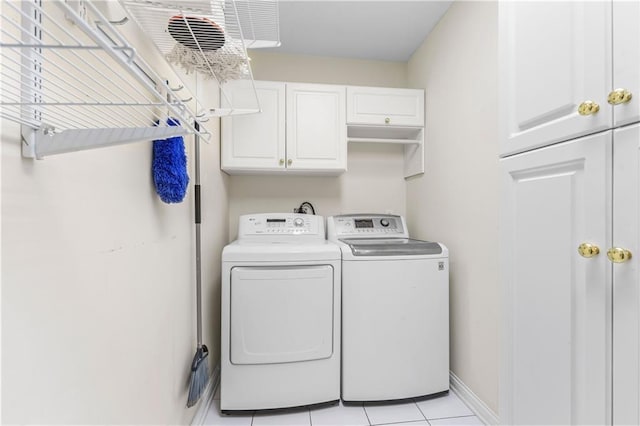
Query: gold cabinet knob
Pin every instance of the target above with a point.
(387, 120)
(281, 161)
(588, 250)
(619, 96)
(289, 161)
(618, 255)
(588, 108)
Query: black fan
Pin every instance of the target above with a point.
(196, 32)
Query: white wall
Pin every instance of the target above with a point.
(374, 181)
(98, 284)
(456, 201)
(98, 297)
(329, 70)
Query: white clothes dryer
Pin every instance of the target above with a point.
(280, 337)
(395, 309)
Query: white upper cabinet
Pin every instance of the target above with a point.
(626, 62)
(388, 115)
(301, 129)
(254, 141)
(555, 58)
(316, 129)
(385, 106)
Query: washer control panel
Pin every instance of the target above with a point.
(365, 226)
(280, 224)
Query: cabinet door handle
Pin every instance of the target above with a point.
(588, 250)
(281, 161)
(387, 120)
(619, 96)
(289, 162)
(618, 255)
(588, 108)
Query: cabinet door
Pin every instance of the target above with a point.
(626, 277)
(554, 56)
(385, 106)
(557, 314)
(626, 59)
(255, 142)
(316, 127)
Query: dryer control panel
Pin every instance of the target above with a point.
(366, 226)
(281, 224)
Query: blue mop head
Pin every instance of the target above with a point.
(170, 167)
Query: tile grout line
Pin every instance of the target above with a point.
(401, 423)
(366, 414)
(418, 407)
(398, 423)
(454, 417)
(421, 412)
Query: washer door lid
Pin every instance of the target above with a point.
(281, 314)
(391, 247)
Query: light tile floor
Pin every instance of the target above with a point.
(443, 410)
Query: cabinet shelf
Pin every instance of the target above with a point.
(411, 137)
(387, 141)
(407, 134)
(402, 135)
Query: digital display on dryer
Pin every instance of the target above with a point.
(276, 220)
(363, 223)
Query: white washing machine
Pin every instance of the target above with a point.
(395, 309)
(280, 337)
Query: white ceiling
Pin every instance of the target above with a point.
(382, 30)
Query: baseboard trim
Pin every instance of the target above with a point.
(207, 398)
(481, 409)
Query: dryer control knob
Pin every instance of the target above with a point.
(384, 222)
(298, 222)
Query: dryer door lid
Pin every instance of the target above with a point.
(391, 247)
(281, 314)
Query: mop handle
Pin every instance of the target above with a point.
(198, 243)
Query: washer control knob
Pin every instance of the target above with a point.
(384, 222)
(298, 222)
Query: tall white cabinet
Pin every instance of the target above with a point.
(626, 276)
(550, 68)
(570, 149)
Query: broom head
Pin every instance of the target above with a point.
(199, 375)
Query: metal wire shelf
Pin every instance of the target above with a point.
(74, 83)
(211, 37)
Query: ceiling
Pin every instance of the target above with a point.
(379, 30)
